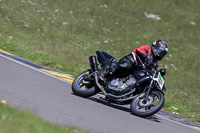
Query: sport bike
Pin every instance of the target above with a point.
(142, 88)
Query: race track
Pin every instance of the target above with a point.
(25, 87)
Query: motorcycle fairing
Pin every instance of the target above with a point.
(106, 60)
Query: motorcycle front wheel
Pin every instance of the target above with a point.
(83, 88)
(152, 105)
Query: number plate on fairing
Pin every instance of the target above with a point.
(161, 81)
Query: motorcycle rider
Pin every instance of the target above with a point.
(144, 55)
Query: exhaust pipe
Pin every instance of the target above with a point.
(93, 63)
(115, 97)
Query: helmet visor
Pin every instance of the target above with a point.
(160, 52)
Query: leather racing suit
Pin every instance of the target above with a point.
(139, 55)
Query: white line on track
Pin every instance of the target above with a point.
(34, 68)
(177, 122)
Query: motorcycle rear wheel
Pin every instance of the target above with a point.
(82, 90)
(147, 108)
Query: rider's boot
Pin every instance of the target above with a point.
(103, 74)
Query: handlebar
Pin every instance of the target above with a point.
(149, 65)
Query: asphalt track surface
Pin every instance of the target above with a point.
(28, 88)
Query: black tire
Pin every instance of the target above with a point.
(83, 91)
(150, 109)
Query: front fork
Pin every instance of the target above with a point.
(150, 87)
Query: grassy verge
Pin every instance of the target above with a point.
(62, 34)
(14, 121)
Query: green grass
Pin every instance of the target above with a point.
(62, 34)
(14, 121)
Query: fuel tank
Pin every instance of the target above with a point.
(140, 73)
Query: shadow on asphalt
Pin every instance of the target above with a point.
(153, 118)
(122, 108)
(110, 104)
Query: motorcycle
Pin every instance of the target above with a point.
(142, 88)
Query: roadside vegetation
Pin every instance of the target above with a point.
(62, 34)
(15, 121)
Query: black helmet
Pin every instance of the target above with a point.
(159, 49)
